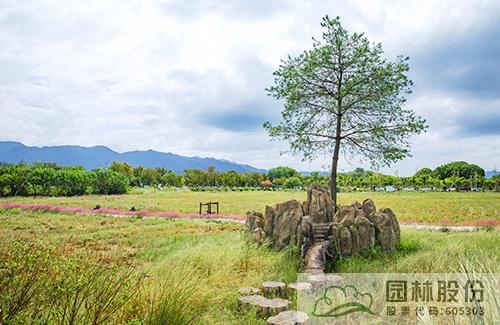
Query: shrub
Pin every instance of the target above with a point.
(109, 182)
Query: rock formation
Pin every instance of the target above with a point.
(321, 233)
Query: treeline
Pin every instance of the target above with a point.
(50, 179)
(454, 176)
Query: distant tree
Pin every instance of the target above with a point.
(230, 178)
(169, 178)
(124, 168)
(281, 171)
(292, 182)
(314, 175)
(359, 170)
(343, 96)
(110, 182)
(423, 172)
(195, 177)
(280, 181)
(459, 168)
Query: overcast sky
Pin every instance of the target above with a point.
(189, 76)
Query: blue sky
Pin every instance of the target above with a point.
(189, 76)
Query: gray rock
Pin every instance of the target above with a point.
(345, 241)
(269, 216)
(319, 204)
(320, 233)
(368, 207)
(395, 223)
(254, 220)
(287, 219)
(386, 236)
(289, 317)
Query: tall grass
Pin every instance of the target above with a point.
(176, 298)
(38, 285)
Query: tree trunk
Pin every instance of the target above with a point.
(336, 150)
(333, 174)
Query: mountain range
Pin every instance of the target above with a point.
(101, 156)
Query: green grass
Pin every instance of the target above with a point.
(421, 207)
(215, 254)
(422, 251)
(211, 260)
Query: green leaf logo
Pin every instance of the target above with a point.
(361, 302)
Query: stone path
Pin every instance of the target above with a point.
(314, 258)
(272, 304)
(289, 317)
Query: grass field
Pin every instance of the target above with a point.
(218, 259)
(189, 271)
(420, 207)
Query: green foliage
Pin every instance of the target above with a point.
(49, 179)
(109, 182)
(424, 172)
(281, 171)
(343, 91)
(460, 169)
(293, 182)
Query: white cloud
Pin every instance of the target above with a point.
(157, 74)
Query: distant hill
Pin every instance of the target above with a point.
(101, 156)
(490, 173)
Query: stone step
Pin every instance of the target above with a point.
(316, 233)
(273, 289)
(247, 291)
(320, 280)
(264, 307)
(296, 287)
(313, 257)
(289, 317)
(322, 224)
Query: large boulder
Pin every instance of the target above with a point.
(387, 229)
(282, 223)
(254, 220)
(368, 207)
(319, 205)
(320, 232)
(360, 226)
(255, 225)
(269, 216)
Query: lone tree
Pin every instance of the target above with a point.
(342, 96)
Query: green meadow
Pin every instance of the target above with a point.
(420, 207)
(189, 271)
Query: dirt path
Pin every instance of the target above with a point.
(189, 216)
